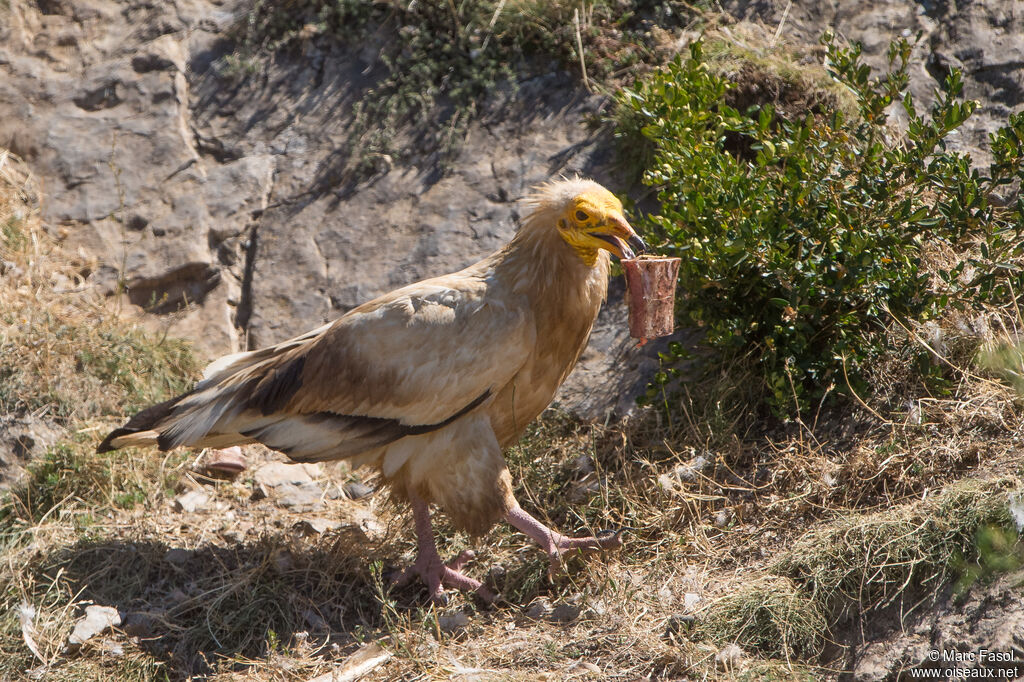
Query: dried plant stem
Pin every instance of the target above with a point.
(579, 50)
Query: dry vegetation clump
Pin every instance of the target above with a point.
(873, 559)
(854, 564)
(769, 614)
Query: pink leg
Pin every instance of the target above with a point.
(428, 565)
(556, 544)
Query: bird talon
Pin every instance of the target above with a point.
(464, 558)
(611, 539)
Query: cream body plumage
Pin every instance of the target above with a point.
(429, 382)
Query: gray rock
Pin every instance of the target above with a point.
(453, 622)
(989, 617)
(177, 556)
(140, 624)
(96, 620)
(276, 474)
(22, 439)
(982, 38)
(354, 490)
(565, 613)
(192, 501)
(290, 486)
(317, 525)
(540, 608)
(300, 498)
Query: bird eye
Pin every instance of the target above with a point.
(581, 216)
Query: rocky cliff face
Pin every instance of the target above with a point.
(218, 196)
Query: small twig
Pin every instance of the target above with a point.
(579, 49)
(490, 26)
(778, 31)
(1013, 297)
(455, 16)
(863, 404)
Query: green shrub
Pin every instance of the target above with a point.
(802, 238)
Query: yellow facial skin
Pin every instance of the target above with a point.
(594, 221)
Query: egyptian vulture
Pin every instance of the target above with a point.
(426, 384)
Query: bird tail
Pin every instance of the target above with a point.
(203, 417)
(142, 430)
(196, 418)
(252, 382)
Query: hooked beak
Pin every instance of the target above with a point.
(621, 238)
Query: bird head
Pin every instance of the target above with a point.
(591, 218)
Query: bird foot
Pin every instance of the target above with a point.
(557, 545)
(437, 576)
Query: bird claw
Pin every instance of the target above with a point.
(611, 539)
(436, 576)
(603, 540)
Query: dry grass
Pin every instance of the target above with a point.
(238, 591)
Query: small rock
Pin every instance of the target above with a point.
(139, 624)
(723, 518)
(177, 556)
(354, 490)
(690, 600)
(681, 623)
(192, 501)
(730, 657)
(112, 648)
(316, 525)
(565, 613)
(315, 621)
(372, 529)
(300, 498)
(96, 620)
(452, 622)
(538, 609)
(274, 474)
(290, 486)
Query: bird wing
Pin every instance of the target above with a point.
(407, 363)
